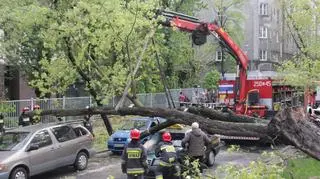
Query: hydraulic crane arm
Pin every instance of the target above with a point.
(195, 26)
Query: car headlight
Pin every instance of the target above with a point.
(3, 167)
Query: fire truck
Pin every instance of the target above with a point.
(252, 97)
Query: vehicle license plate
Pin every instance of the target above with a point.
(26, 119)
(118, 145)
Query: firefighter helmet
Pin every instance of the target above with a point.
(135, 134)
(36, 107)
(25, 109)
(166, 137)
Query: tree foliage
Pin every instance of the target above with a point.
(98, 40)
(230, 16)
(301, 20)
(211, 79)
(58, 42)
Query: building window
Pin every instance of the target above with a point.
(263, 55)
(263, 32)
(264, 9)
(278, 16)
(218, 55)
(276, 58)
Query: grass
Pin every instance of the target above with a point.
(302, 168)
(100, 131)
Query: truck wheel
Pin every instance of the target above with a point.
(81, 161)
(19, 173)
(210, 159)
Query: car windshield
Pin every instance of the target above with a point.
(134, 124)
(8, 141)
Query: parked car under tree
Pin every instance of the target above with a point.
(121, 137)
(177, 133)
(28, 151)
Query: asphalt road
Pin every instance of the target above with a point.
(105, 165)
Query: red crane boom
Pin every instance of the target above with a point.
(193, 25)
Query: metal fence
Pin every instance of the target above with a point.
(12, 109)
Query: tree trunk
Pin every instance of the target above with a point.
(223, 116)
(296, 128)
(86, 78)
(290, 126)
(175, 116)
(134, 100)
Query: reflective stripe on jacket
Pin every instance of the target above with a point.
(166, 152)
(134, 158)
(135, 171)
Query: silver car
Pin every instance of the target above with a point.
(27, 151)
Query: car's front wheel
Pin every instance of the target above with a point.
(19, 173)
(210, 158)
(81, 162)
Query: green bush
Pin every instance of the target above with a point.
(233, 148)
(256, 169)
(191, 169)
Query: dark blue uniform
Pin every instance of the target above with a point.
(134, 160)
(168, 166)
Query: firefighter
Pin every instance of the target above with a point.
(134, 157)
(168, 167)
(87, 123)
(196, 142)
(23, 119)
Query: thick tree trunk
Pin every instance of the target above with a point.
(175, 116)
(296, 128)
(289, 125)
(223, 116)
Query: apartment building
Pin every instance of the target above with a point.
(267, 40)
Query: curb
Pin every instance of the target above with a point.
(102, 151)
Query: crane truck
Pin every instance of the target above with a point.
(245, 93)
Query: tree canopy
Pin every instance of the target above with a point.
(98, 43)
(58, 42)
(211, 79)
(301, 18)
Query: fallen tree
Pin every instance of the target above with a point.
(288, 126)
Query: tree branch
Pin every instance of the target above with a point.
(88, 81)
(129, 81)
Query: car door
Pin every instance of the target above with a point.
(84, 138)
(42, 159)
(66, 151)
